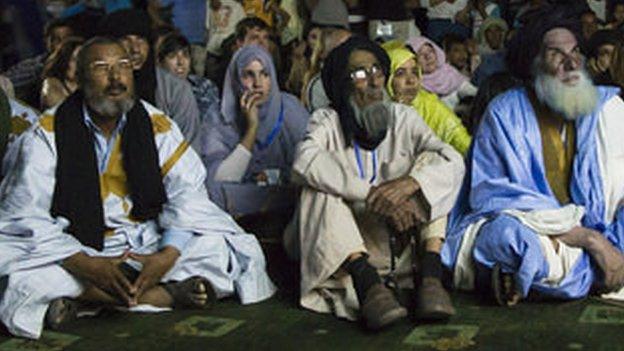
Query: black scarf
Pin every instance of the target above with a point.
(77, 191)
(337, 85)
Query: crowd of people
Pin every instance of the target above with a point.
(419, 144)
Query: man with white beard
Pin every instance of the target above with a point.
(540, 207)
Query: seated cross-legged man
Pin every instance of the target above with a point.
(107, 205)
(371, 169)
(541, 210)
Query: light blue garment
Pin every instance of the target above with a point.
(103, 148)
(506, 171)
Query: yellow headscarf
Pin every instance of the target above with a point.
(444, 123)
(399, 54)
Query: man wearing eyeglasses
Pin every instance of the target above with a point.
(153, 84)
(106, 206)
(542, 212)
(372, 172)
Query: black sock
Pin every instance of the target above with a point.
(364, 276)
(431, 265)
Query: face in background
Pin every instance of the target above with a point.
(457, 56)
(257, 36)
(589, 24)
(406, 82)
(495, 37)
(138, 49)
(561, 55)
(107, 82)
(367, 78)
(427, 58)
(604, 56)
(178, 63)
(56, 37)
(256, 79)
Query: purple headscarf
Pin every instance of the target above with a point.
(268, 113)
(223, 135)
(445, 79)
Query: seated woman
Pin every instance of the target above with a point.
(174, 55)
(439, 77)
(59, 73)
(254, 142)
(404, 86)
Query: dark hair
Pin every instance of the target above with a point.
(162, 31)
(57, 64)
(247, 24)
(451, 39)
(81, 61)
(172, 43)
(55, 23)
(494, 85)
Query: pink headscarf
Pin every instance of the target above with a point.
(445, 79)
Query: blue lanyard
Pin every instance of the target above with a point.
(275, 131)
(358, 158)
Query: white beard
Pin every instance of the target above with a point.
(571, 101)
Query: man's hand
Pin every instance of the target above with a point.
(407, 215)
(104, 273)
(385, 198)
(155, 266)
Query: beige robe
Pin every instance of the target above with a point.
(331, 221)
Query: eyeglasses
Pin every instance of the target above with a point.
(102, 68)
(361, 74)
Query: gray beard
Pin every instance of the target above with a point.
(571, 101)
(107, 108)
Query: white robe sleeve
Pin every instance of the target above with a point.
(321, 163)
(29, 235)
(438, 168)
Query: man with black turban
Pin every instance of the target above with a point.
(541, 207)
(153, 84)
(372, 170)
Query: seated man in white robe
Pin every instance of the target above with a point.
(107, 205)
(371, 170)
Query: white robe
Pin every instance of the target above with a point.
(331, 222)
(33, 242)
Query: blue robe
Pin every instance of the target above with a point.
(505, 170)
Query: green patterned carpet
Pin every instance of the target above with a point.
(278, 324)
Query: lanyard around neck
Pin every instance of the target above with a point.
(358, 158)
(275, 131)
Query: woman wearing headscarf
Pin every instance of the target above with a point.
(254, 142)
(404, 86)
(491, 35)
(439, 77)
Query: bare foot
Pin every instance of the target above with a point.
(194, 292)
(510, 295)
